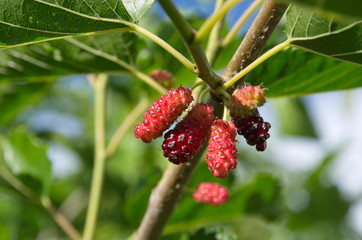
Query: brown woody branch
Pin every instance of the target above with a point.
(255, 39)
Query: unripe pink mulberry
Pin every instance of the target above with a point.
(163, 113)
(163, 77)
(210, 193)
(245, 100)
(222, 153)
(189, 135)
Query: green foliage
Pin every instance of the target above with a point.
(349, 8)
(294, 72)
(309, 31)
(26, 158)
(16, 97)
(47, 19)
(50, 60)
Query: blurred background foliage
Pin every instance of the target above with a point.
(50, 120)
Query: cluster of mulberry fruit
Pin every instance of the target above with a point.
(245, 115)
(188, 136)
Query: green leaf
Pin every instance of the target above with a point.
(295, 72)
(307, 30)
(4, 232)
(50, 60)
(293, 117)
(27, 158)
(137, 8)
(29, 21)
(347, 8)
(16, 97)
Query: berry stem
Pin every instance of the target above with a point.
(99, 158)
(198, 83)
(226, 113)
(240, 22)
(213, 43)
(202, 94)
(125, 125)
(187, 63)
(256, 63)
(213, 19)
(222, 91)
(131, 69)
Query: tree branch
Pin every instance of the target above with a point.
(241, 21)
(204, 70)
(165, 197)
(254, 41)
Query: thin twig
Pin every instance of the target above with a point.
(213, 43)
(256, 63)
(240, 22)
(99, 158)
(189, 65)
(213, 19)
(133, 70)
(204, 70)
(61, 220)
(45, 202)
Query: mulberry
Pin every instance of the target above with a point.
(210, 193)
(245, 100)
(188, 136)
(254, 129)
(163, 113)
(222, 153)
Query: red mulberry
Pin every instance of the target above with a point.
(163, 113)
(222, 153)
(188, 136)
(210, 193)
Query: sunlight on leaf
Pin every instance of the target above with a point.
(311, 32)
(136, 8)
